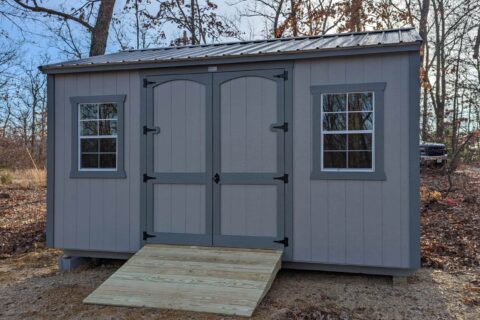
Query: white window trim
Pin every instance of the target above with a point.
(346, 131)
(80, 137)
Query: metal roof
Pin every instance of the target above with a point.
(259, 48)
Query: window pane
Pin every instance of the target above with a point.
(360, 121)
(88, 128)
(361, 141)
(108, 111)
(335, 142)
(108, 160)
(88, 111)
(89, 160)
(334, 102)
(89, 145)
(108, 145)
(334, 159)
(334, 121)
(360, 160)
(108, 127)
(360, 101)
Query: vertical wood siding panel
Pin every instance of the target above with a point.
(354, 223)
(83, 185)
(122, 227)
(97, 212)
(162, 142)
(195, 209)
(372, 196)
(179, 127)
(178, 212)
(301, 162)
(391, 187)
(195, 127)
(110, 192)
(336, 189)
(251, 210)
(355, 73)
(318, 189)
(132, 115)
(225, 118)
(60, 146)
(70, 207)
(162, 207)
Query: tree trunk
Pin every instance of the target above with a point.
(102, 25)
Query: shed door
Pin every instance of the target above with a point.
(249, 158)
(179, 159)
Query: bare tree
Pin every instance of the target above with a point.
(93, 15)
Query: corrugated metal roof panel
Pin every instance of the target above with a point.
(251, 48)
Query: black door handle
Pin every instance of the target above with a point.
(216, 178)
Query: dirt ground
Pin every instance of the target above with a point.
(447, 287)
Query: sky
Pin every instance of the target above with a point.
(37, 41)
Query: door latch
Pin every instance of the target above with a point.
(284, 241)
(216, 178)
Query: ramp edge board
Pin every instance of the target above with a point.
(230, 281)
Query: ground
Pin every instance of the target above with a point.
(447, 286)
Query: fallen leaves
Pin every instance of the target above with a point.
(22, 219)
(450, 227)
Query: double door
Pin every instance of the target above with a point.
(215, 159)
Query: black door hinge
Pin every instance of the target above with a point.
(283, 127)
(283, 75)
(147, 130)
(146, 82)
(284, 178)
(284, 241)
(147, 235)
(147, 177)
(216, 178)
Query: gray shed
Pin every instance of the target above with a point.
(309, 145)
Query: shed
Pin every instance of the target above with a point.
(308, 145)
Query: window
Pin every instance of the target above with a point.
(97, 137)
(348, 131)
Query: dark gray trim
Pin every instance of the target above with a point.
(414, 156)
(379, 174)
(337, 52)
(203, 178)
(120, 172)
(347, 268)
(288, 251)
(50, 240)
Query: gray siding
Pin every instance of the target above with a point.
(97, 214)
(362, 223)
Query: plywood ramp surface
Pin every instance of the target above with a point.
(205, 279)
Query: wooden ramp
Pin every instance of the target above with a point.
(205, 279)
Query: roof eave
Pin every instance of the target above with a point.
(309, 54)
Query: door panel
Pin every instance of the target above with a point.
(248, 156)
(248, 107)
(180, 113)
(179, 208)
(249, 210)
(179, 159)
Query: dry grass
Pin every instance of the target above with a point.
(25, 178)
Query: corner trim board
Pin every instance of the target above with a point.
(414, 156)
(50, 224)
